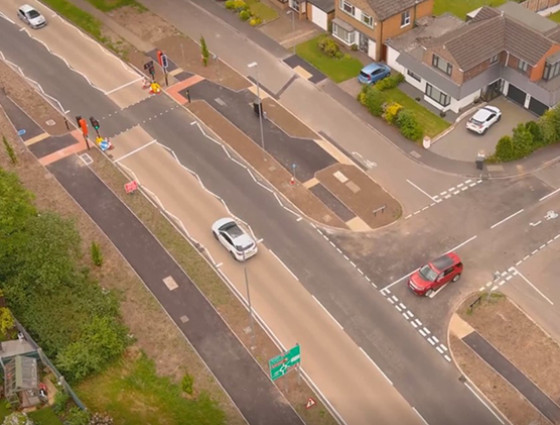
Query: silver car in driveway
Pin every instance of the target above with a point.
(483, 119)
(240, 245)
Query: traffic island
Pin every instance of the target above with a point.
(501, 352)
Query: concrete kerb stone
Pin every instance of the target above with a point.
(457, 121)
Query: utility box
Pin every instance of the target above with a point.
(480, 161)
(257, 107)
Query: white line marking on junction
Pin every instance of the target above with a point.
(375, 364)
(398, 280)
(132, 152)
(483, 402)
(550, 194)
(507, 218)
(285, 266)
(533, 286)
(413, 185)
(463, 243)
(327, 311)
(123, 86)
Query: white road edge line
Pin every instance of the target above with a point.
(375, 364)
(507, 218)
(123, 86)
(285, 266)
(533, 286)
(132, 152)
(419, 415)
(398, 280)
(413, 185)
(550, 194)
(328, 313)
(483, 402)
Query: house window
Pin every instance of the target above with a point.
(405, 18)
(437, 95)
(347, 7)
(494, 59)
(347, 37)
(522, 66)
(442, 64)
(413, 75)
(368, 20)
(551, 70)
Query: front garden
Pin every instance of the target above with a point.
(252, 11)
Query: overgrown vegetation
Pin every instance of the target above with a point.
(109, 5)
(9, 150)
(528, 137)
(204, 51)
(64, 309)
(133, 381)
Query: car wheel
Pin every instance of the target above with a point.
(484, 131)
(456, 277)
(233, 255)
(499, 118)
(429, 292)
(215, 235)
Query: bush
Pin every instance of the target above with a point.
(522, 141)
(96, 255)
(536, 132)
(374, 100)
(204, 51)
(77, 416)
(504, 149)
(230, 4)
(60, 400)
(391, 112)
(390, 82)
(9, 150)
(237, 5)
(244, 15)
(354, 47)
(329, 47)
(409, 126)
(187, 384)
(7, 321)
(255, 20)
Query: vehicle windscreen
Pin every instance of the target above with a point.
(33, 14)
(363, 74)
(428, 273)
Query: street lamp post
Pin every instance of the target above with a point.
(256, 65)
(252, 320)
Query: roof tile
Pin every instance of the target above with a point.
(386, 8)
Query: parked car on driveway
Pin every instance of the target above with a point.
(239, 244)
(434, 275)
(373, 72)
(483, 119)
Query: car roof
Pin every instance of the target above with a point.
(483, 113)
(372, 67)
(26, 8)
(446, 261)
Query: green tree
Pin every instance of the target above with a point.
(522, 141)
(102, 340)
(504, 149)
(550, 125)
(205, 52)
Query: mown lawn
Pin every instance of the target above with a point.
(460, 8)
(555, 17)
(266, 13)
(431, 123)
(45, 416)
(134, 395)
(336, 69)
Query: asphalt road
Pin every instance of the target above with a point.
(415, 368)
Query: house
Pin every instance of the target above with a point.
(369, 23)
(508, 50)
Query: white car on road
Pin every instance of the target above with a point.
(31, 16)
(483, 119)
(240, 245)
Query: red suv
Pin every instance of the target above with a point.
(432, 276)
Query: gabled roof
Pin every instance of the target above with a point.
(489, 33)
(386, 8)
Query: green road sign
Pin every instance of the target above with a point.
(280, 365)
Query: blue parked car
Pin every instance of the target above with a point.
(373, 72)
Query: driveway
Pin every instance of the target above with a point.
(463, 145)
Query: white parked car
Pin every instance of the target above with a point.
(240, 245)
(31, 16)
(483, 119)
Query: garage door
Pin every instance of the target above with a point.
(516, 95)
(537, 107)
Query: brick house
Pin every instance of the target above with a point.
(368, 23)
(508, 50)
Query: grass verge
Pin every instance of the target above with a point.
(431, 123)
(76, 15)
(336, 69)
(555, 17)
(108, 5)
(460, 8)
